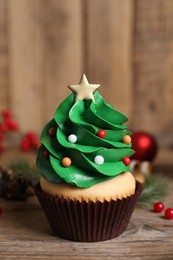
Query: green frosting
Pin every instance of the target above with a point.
(84, 118)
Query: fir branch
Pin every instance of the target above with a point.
(155, 188)
(24, 168)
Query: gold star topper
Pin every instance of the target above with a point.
(84, 90)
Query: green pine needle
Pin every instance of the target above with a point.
(26, 169)
(155, 188)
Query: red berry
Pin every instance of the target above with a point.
(101, 133)
(126, 161)
(4, 127)
(30, 135)
(12, 125)
(7, 122)
(169, 213)
(25, 145)
(36, 143)
(1, 211)
(46, 153)
(158, 207)
(34, 139)
(6, 113)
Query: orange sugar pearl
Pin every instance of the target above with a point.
(66, 162)
(127, 139)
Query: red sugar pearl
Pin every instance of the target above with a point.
(169, 213)
(126, 161)
(101, 133)
(158, 207)
(46, 153)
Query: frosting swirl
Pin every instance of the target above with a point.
(83, 119)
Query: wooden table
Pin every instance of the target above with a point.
(25, 234)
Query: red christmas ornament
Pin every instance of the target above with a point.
(126, 161)
(101, 133)
(158, 207)
(169, 213)
(144, 145)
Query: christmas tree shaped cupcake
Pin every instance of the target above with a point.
(86, 189)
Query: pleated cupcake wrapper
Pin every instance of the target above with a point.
(88, 221)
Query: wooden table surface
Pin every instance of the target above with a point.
(25, 234)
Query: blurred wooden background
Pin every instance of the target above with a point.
(125, 45)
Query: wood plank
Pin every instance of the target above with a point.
(27, 63)
(63, 53)
(153, 59)
(4, 83)
(109, 28)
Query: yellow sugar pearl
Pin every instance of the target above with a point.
(52, 131)
(66, 162)
(127, 139)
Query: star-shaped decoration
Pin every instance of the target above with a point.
(84, 90)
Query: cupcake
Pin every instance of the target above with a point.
(86, 189)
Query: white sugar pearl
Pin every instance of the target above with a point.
(72, 138)
(99, 160)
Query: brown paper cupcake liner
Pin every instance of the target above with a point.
(88, 221)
